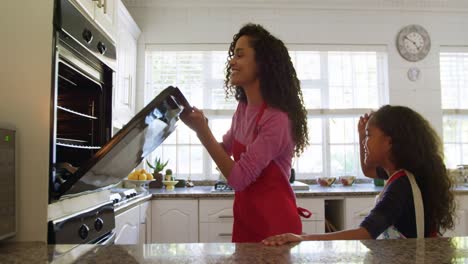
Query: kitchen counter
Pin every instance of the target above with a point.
(315, 190)
(439, 250)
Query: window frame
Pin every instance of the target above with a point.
(324, 113)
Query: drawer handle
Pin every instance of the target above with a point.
(225, 216)
(225, 234)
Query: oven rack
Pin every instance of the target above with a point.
(76, 113)
(63, 143)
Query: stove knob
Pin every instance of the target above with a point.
(133, 194)
(87, 36)
(83, 231)
(127, 196)
(101, 47)
(115, 201)
(98, 224)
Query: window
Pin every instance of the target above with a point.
(454, 90)
(338, 86)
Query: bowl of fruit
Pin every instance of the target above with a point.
(347, 180)
(326, 181)
(139, 178)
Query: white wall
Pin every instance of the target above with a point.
(181, 22)
(25, 84)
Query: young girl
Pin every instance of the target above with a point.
(417, 200)
(268, 128)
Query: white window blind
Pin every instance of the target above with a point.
(338, 87)
(454, 90)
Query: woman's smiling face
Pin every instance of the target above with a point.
(243, 64)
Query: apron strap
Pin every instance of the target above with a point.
(418, 205)
(304, 212)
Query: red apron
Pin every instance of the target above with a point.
(266, 207)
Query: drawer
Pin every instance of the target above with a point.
(316, 206)
(216, 211)
(215, 232)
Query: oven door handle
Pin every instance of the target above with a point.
(108, 240)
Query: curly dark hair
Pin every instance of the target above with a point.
(417, 148)
(279, 85)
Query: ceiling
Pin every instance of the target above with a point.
(416, 5)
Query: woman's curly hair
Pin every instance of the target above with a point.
(417, 148)
(279, 85)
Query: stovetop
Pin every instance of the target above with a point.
(221, 186)
(121, 196)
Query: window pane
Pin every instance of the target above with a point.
(311, 96)
(310, 161)
(452, 155)
(454, 80)
(353, 81)
(307, 64)
(344, 160)
(343, 130)
(455, 140)
(315, 130)
(219, 127)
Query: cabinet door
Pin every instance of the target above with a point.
(461, 218)
(174, 221)
(461, 225)
(315, 205)
(216, 232)
(356, 209)
(127, 226)
(105, 16)
(215, 211)
(87, 6)
(125, 88)
(145, 223)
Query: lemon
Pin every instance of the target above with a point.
(142, 177)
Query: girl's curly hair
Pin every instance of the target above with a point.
(279, 85)
(417, 148)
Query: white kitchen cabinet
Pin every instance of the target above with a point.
(145, 223)
(127, 227)
(316, 223)
(216, 220)
(356, 209)
(125, 87)
(174, 221)
(461, 220)
(102, 12)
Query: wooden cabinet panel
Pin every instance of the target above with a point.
(174, 221)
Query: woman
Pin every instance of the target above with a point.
(268, 128)
(417, 200)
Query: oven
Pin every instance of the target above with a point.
(86, 162)
(82, 93)
(75, 234)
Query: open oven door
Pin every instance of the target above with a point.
(123, 152)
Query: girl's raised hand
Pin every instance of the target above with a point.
(282, 239)
(362, 123)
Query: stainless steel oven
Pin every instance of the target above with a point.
(82, 93)
(85, 161)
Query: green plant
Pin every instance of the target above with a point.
(158, 166)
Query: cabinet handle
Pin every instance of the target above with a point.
(104, 6)
(225, 216)
(225, 234)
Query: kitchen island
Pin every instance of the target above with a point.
(430, 250)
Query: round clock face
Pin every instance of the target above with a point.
(413, 43)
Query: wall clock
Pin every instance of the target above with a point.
(413, 43)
